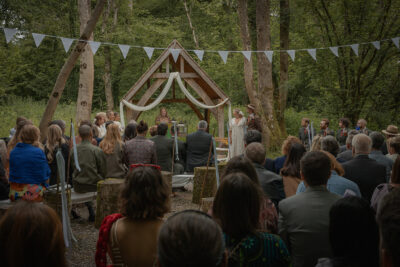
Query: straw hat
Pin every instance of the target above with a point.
(391, 130)
(250, 106)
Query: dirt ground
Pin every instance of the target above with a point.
(82, 253)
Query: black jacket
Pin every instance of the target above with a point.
(366, 173)
(197, 149)
(271, 183)
(164, 152)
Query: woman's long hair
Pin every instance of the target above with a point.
(16, 137)
(292, 162)
(54, 141)
(111, 139)
(30, 134)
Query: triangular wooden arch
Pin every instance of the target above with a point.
(193, 76)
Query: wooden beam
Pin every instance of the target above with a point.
(166, 75)
(167, 65)
(195, 109)
(220, 121)
(147, 95)
(176, 100)
(182, 63)
(203, 95)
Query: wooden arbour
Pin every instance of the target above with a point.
(193, 76)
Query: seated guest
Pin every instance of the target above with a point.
(291, 170)
(55, 142)
(31, 235)
(343, 131)
(316, 143)
(110, 115)
(270, 182)
(191, 238)
(304, 218)
(4, 186)
(113, 149)
(17, 136)
(362, 127)
(236, 209)
(365, 172)
(306, 133)
(198, 147)
(383, 189)
(3, 156)
(353, 234)
(376, 153)
(280, 161)
(153, 130)
(268, 214)
(329, 144)
(29, 171)
(130, 238)
(130, 132)
(324, 128)
(390, 132)
(164, 147)
(92, 162)
(117, 121)
(394, 148)
(389, 221)
(348, 153)
(139, 149)
(99, 125)
(337, 183)
(254, 136)
(180, 161)
(62, 125)
(78, 139)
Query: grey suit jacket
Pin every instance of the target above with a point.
(164, 152)
(197, 149)
(304, 225)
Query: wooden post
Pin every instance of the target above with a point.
(108, 192)
(220, 121)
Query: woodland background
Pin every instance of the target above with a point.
(366, 86)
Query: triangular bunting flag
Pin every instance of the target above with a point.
(247, 55)
(66, 43)
(175, 53)
(9, 33)
(291, 54)
(223, 55)
(94, 46)
(269, 55)
(124, 49)
(396, 41)
(149, 51)
(377, 45)
(335, 50)
(313, 53)
(38, 38)
(199, 54)
(355, 48)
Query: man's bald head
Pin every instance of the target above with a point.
(255, 152)
(361, 144)
(85, 132)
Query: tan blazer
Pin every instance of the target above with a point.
(290, 184)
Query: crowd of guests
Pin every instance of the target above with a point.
(313, 206)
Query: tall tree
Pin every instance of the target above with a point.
(107, 59)
(86, 77)
(195, 40)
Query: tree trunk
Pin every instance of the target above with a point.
(108, 192)
(246, 42)
(107, 61)
(196, 42)
(86, 77)
(66, 70)
(284, 61)
(265, 95)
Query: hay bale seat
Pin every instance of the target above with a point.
(210, 183)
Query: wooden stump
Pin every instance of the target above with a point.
(206, 204)
(108, 192)
(52, 198)
(210, 183)
(168, 178)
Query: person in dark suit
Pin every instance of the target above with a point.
(343, 131)
(180, 161)
(198, 147)
(367, 173)
(306, 133)
(347, 154)
(304, 218)
(164, 147)
(271, 183)
(324, 128)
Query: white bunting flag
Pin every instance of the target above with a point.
(223, 55)
(247, 55)
(396, 41)
(149, 51)
(94, 46)
(9, 33)
(377, 45)
(66, 43)
(355, 48)
(124, 49)
(269, 55)
(313, 53)
(335, 50)
(175, 53)
(199, 54)
(291, 54)
(38, 38)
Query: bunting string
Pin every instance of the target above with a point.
(11, 33)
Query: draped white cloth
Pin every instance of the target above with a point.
(172, 76)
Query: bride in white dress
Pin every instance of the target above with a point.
(237, 127)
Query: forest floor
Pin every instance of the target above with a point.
(82, 253)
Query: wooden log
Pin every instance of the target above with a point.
(108, 192)
(206, 204)
(168, 178)
(210, 183)
(52, 198)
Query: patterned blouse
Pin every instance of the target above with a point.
(260, 249)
